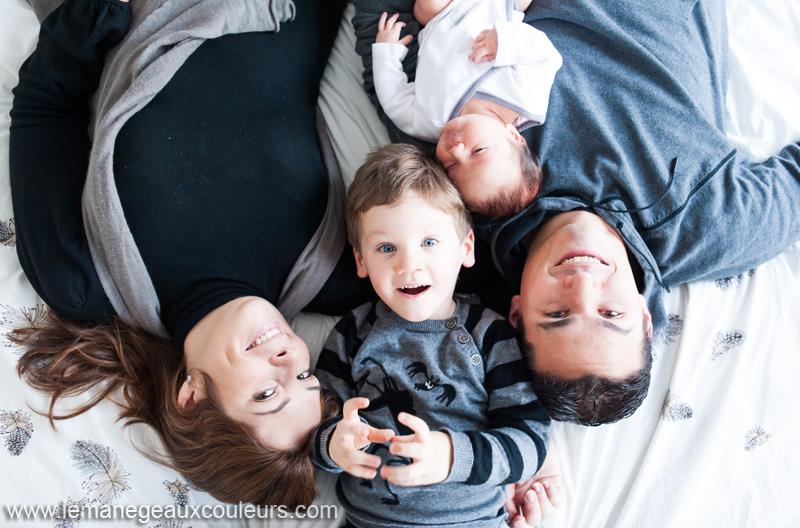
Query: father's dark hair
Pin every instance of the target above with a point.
(590, 400)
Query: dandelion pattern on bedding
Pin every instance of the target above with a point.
(11, 318)
(169, 523)
(724, 342)
(104, 477)
(668, 334)
(735, 280)
(68, 513)
(8, 234)
(17, 429)
(179, 491)
(674, 409)
(756, 437)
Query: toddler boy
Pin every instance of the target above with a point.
(475, 90)
(445, 374)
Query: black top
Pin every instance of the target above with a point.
(220, 175)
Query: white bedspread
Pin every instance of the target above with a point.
(711, 446)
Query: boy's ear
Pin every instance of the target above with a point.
(360, 267)
(469, 246)
(514, 133)
(513, 313)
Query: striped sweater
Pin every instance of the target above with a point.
(464, 375)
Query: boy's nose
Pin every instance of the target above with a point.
(408, 263)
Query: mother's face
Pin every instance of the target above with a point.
(260, 370)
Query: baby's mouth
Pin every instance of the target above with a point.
(413, 290)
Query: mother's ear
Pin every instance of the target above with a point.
(187, 396)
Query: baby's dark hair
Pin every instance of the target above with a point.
(511, 201)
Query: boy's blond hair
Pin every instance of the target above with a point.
(394, 172)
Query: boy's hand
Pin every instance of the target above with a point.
(389, 30)
(351, 436)
(534, 499)
(432, 453)
(485, 46)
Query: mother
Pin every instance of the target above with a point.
(206, 214)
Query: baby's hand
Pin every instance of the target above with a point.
(351, 436)
(432, 453)
(389, 30)
(534, 499)
(485, 46)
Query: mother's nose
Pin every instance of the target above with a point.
(284, 356)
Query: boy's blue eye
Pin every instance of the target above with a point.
(429, 242)
(386, 248)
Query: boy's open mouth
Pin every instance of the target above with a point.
(413, 290)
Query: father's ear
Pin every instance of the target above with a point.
(360, 267)
(187, 396)
(514, 313)
(647, 318)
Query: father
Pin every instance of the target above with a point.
(642, 191)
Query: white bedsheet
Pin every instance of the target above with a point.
(711, 445)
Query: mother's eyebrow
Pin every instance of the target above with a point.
(277, 409)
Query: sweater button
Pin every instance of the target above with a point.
(475, 359)
(463, 338)
(451, 323)
(619, 225)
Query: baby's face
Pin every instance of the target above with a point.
(412, 254)
(481, 157)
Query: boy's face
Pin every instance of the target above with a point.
(481, 157)
(412, 254)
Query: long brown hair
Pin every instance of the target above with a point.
(221, 456)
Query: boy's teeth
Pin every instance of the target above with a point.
(413, 290)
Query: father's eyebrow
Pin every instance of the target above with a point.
(560, 323)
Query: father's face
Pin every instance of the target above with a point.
(579, 303)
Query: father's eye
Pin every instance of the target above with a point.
(304, 375)
(556, 315)
(264, 395)
(386, 248)
(610, 314)
(429, 242)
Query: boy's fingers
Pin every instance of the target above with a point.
(554, 493)
(531, 508)
(403, 475)
(413, 450)
(359, 458)
(382, 21)
(405, 41)
(417, 425)
(380, 436)
(351, 407)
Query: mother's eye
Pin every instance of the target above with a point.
(556, 315)
(264, 395)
